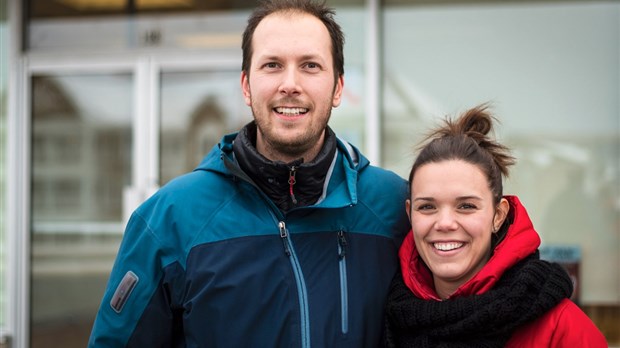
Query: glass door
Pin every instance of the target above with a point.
(81, 146)
(197, 108)
(101, 141)
(113, 102)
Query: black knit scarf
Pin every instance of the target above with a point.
(524, 293)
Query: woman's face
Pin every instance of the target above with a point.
(453, 217)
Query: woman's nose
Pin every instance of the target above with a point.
(446, 221)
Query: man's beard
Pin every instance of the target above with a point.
(292, 148)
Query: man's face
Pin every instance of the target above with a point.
(290, 85)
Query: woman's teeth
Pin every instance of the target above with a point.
(447, 246)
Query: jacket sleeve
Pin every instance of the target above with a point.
(575, 329)
(135, 288)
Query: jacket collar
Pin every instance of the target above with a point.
(289, 185)
(341, 181)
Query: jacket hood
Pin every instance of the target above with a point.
(221, 160)
(520, 241)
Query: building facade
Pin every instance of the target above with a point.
(102, 102)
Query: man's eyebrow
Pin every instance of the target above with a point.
(269, 57)
(310, 56)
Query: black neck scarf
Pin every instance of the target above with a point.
(524, 293)
(274, 177)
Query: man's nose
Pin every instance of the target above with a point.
(290, 82)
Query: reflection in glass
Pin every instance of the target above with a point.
(81, 147)
(197, 109)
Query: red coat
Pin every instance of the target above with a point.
(566, 325)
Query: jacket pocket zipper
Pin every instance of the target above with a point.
(344, 292)
(301, 285)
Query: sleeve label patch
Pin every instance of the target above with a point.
(124, 289)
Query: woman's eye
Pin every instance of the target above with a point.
(425, 207)
(467, 206)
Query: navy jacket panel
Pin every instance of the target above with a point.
(163, 316)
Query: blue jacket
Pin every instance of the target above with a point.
(210, 261)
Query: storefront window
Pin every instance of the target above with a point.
(121, 25)
(550, 71)
(348, 119)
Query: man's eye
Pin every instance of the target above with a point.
(271, 65)
(312, 66)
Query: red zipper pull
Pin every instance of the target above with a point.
(291, 182)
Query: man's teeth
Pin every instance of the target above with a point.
(447, 246)
(291, 111)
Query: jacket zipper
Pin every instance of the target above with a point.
(344, 292)
(301, 284)
(291, 182)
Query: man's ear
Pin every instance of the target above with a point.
(338, 91)
(245, 88)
